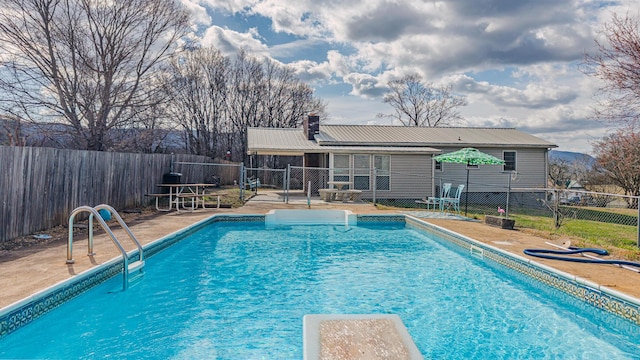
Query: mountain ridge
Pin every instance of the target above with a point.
(571, 157)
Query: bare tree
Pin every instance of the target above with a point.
(286, 100)
(425, 105)
(12, 133)
(617, 64)
(264, 93)
(618, 154)
(560, 172)
(214, 99)
(199, 79)
(247, 88)
(89, 63)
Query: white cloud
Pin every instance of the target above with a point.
(365, 85)
(310, 71)
(533, 96)
(229, 41)
(534, 46)
(198, 12)
(229, 6)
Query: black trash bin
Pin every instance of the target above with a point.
(170, 178)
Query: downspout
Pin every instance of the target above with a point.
(546, 168)
(433, 176)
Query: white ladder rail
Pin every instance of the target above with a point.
(127, 267)
(122, 224)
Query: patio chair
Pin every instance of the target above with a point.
(453, 201)
(433, 200)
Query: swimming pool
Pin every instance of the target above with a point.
(239, 291)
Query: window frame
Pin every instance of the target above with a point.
(341, 173)
(385, 173)
(359, 172)
(514, 162)
(437, 166)
(352, 173)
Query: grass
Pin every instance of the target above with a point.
(231, 196)
(615, 238)
(621, 241)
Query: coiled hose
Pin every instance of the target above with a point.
(542, 253)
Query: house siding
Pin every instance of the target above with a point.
(530, 166)
(410, 178)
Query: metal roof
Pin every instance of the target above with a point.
(387, 139)
(278, 141)
(425, 136)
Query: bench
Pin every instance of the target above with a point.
(158, 197)
(205, 194)
(354, 195)
(181, 197)
(192, 196)
(188, 195)
(196, 198)
(329, 195)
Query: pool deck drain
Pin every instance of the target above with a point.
(362, 337)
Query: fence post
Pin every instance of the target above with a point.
(506, 210)
(556, 202)
(375, 184)
(241, 180)
(638, 224)
(287, 184)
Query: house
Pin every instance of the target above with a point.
(397, 160)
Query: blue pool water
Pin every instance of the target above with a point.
(240, 291)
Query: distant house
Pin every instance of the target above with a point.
(574, 193)
(402, 156)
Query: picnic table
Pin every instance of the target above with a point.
(338, 193)
(180, 195)
(340, 184)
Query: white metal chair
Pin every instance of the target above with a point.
(432, 200)
(453, 201)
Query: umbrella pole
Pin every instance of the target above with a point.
(466, 193)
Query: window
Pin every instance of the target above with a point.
(361, 171)
(358, 169)
(438, 165)
(381, 163)
(509, 158)
(341, 166)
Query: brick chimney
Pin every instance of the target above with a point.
(312, 126)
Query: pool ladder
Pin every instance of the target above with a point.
(129, 266)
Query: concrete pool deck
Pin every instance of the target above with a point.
(27, 271)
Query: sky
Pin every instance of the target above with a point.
(515, 61)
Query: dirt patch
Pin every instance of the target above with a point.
(41, 240)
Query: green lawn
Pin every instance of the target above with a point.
(596, 233)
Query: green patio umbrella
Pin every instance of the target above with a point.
(469, 156)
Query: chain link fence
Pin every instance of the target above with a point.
(567, 204)
(308, 178)
(506, 199)
(560, 204)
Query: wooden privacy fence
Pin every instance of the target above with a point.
(41, 186)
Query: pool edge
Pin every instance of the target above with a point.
(599, 296)
(28, 309)
(24, 311)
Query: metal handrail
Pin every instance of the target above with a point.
(94, 213)
(122, 224)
